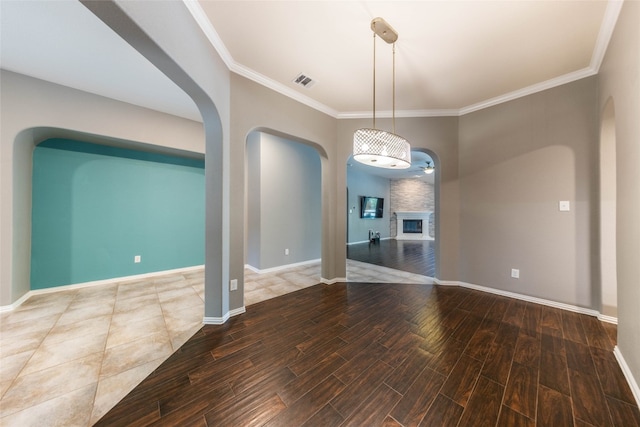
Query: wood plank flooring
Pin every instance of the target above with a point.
(389, 355)
(414, 256)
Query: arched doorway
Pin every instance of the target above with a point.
(283, 240)
(608, 256)
(413, 192)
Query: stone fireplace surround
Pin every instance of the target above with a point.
(413, 215)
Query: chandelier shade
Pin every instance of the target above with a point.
(376, 147)
(382, 149)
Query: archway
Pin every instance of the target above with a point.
(283, 208)
(410, 191)
(608, 200)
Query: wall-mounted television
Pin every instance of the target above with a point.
(371, 207)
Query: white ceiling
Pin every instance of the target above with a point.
(452, 56)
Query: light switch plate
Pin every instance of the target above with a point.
(564, 206)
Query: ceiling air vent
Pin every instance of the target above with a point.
(304, 80)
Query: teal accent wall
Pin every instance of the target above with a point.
(96, 207)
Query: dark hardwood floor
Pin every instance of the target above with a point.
(389, 355)
(414, 256)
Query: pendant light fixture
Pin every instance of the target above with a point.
(376, 147)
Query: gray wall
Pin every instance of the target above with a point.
(363, 184)
(619, 81)
(517, 161)
(288, 190)
(256, 108)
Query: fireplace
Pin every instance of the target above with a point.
(413, 225)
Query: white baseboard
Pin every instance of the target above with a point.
(16, 303)
(237, 311)
(223, 319)
(627, 374)
(367, 241)
(608, 319)
(332, 281)
(437, 281)
(281, 267)
(215, 320)
(53, 289)
(536, 300)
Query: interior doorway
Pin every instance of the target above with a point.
(283, 187)
(408, 195)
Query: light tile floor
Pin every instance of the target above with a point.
(68, 357)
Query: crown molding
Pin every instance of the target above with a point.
(201, 18)
(604, 36)
(400, 113)
(204, 23)
(282, 89)
(529, 90)
(606, 31)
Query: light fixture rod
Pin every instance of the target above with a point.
(376, 147)
(374, 79)
(393, 94)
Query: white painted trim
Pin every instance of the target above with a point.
(366, 241)
(53, 289)
(606, 31)
(332, 281)
(193, 6)
(536, 300)
(437, 281)
(608, 319)
(215, 320)
(633, 384)
(357, 243)
(400, 113)
(237, 311)
(529, 90)
(282, 89)
(16, 303)
(221, 320)
(280, 267)
(203, 22)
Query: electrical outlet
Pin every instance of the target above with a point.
(564, 205)
(286, 251)
(515, 273)
(233, 285)
(137, 259)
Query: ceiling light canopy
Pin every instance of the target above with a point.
(429, 168)
(373, 146)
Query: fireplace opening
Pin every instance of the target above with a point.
(412, 226)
